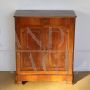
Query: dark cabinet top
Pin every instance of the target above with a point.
(45, 13)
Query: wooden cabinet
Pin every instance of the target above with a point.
(44, 45)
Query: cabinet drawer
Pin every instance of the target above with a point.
(42, 21)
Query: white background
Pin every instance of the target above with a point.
(82, 34)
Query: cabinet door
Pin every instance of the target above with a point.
(58, 48)
(31, 48)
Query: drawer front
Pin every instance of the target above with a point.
(44, 21)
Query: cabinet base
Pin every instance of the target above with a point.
(66, 78)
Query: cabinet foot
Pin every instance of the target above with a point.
(24, 82)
